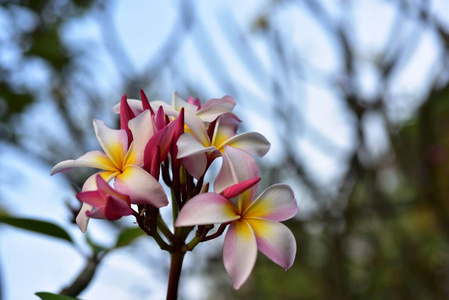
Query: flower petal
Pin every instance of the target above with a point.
(188, 145)
(135, 105)
(213, 108)
(197, 128)
(82, 219)
(239, 188)
(275, 240)
(145, 103)
(116, 208)
(140, 186)
(142, 130)
(225, 128)
(126, 114)
(195, 164)
(207, 208)
(93, 198)
(239, 252)
(114, 142)
(276, 203)
(178, 103)
(93, 159)
(252, 142)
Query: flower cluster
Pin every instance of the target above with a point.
(176, 144)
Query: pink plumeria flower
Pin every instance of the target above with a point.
(121, 162)
(105, 202)
(254, 222)
(253, 226)
(194, 144)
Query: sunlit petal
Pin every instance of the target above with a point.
(276, 203)
(207, 208)
(92, 159)
(239, 252)
(275, 240)
(141, 187)
(252, 142)
(114, 142)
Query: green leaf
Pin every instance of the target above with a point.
(50, 296)
(128, 235)
(43, 227)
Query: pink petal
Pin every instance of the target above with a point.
(145, 103)
(276, 203)
(213, 108)
(116, 208)
(162, 139)
(141, 187)
(239, 252)
(159, 118)
(207, 208)
(93, 198)
(237, 189)
(96, 213)
(188, 145)
(252, 142)
(114, 142)
(93, 159)
(195, 164)
(82, 219)
(126, 114)
(142, 130)
(237, 167)
(275, 240)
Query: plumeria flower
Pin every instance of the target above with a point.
(194, 144)
(106, 202)
(122, 162)
(254, 222)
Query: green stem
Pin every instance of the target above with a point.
(175, 274)
(164, 228)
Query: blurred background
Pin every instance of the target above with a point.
(353, 96)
